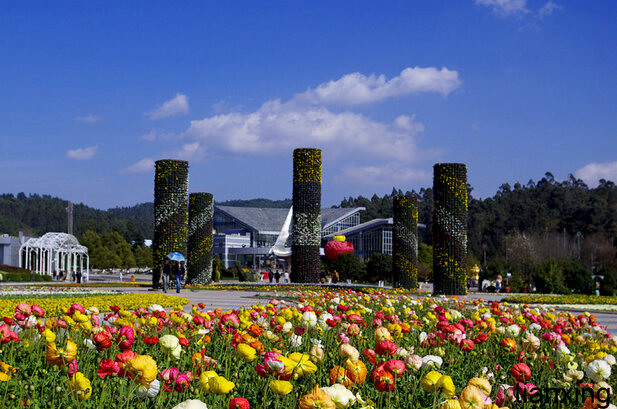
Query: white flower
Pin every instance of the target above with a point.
(432, 361)
(317, 343)
(563, 352)
(401, 353)
(89, 344)
(169, 342)
(296, 340)
(309, 319)
(535, 327)
(323, 318)
(155, 307)
(456, 315)
(598, 370)
(423, 336)
(151, 391)
(341, 396)
(288, 326)
(175, 353)
(513, 330)
(191, 404)
(610, 359)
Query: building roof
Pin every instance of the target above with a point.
(366, 226)
(270, 220)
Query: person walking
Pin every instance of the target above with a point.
(165, 273)
(178, 271)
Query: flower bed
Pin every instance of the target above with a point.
(561, 299)
(56, 306)
(333, 349)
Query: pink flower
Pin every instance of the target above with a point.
(24, 309)
(37, 310)
(183, 381)
(396, 366)
(126, 338)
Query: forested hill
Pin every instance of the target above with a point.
(38, 214)
(536, 209)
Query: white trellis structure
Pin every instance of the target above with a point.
(54, 251)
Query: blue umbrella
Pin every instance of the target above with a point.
(175, 256)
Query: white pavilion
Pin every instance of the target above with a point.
(53, 251)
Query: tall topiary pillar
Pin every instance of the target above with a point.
(199, 259)
(405, 243)
(450, 228)
(305, 262)
(170, 211)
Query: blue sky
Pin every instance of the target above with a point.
(93, 92)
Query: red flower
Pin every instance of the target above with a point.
(108, 367)
(467, 345)
(239, 403)
(521, 372)
(151, 340)
(386, 347)
(184, 342)
(480, 338)
(102, 340)
(395, 366)
(369, 354)
(384, 381)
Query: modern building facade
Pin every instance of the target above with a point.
(246, 234)
(9, 249)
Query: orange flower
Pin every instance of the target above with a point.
(316, 399)
(509, 344)
(356, 371)
(338, 374)
(255, 330)
(61, 356)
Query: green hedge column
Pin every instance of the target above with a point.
(170, 211)
(199, 260)
(450, 228)
(305, 262)
(405, 243)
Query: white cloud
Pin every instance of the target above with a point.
(505, 7)
(593, 172)
(150, 136)
(189, 151)
(279, 127)
(387, 175)
(82, 153)
(547, 9)
(177, 105)
(90, 118)
(356, 88)
(144, 165)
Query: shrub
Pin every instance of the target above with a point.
(378, 267)
(548, 278)
(20, 277)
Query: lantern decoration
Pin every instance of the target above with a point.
(199, 260)
(450, 228)
(405, 242)
(170, 211)
(305, 262)
(337, 247)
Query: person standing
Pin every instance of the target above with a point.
(286, 277)
(335, 277)
(165, 273)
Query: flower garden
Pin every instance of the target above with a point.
(313, 349)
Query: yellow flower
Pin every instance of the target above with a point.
(246, 352)
(299, 364)
(144, 367)
(49, 335)
(281, 387)
(471, 398)
(79, 386)
(5, 371)
(481, 383)
(220, 385)
(61, 356)
(204, 380)
(451, 404)
(446, 385)
(317, 399)
(429, 383)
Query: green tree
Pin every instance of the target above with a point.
(548, 278)
(143, 256)
(349, 266)
(379, 267)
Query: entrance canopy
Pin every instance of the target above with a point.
(53, 251)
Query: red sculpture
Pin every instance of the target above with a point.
(337, 247)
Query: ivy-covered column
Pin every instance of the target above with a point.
(199, 260)
(170, 211)
(405, 242)
(450, 228)
(305, 262)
